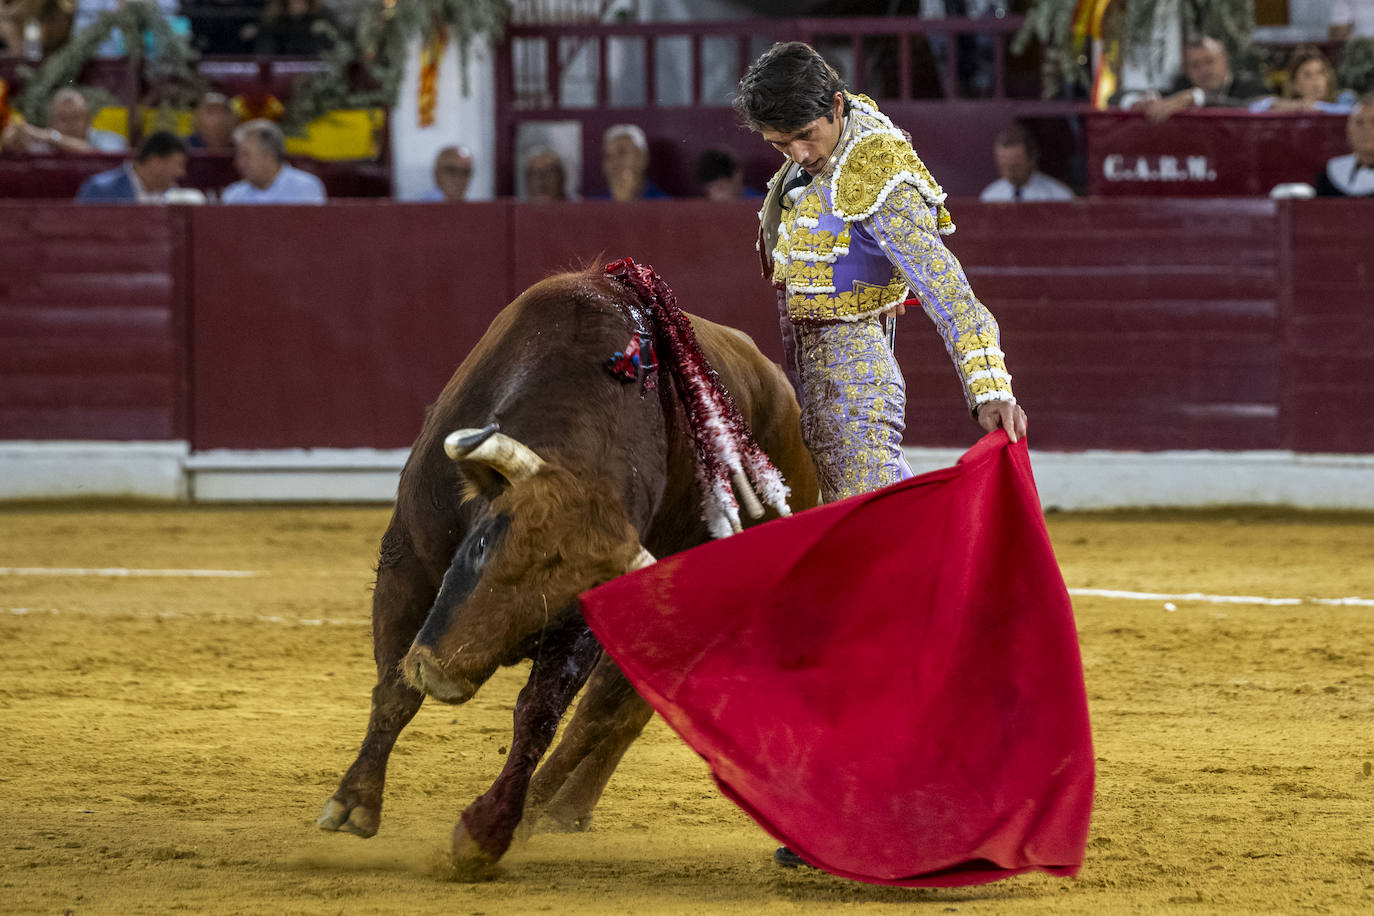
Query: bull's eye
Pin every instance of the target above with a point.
(479, 549)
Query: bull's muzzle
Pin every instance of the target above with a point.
(422, 671)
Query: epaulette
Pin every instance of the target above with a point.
(875, 164)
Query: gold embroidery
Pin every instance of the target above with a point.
(873, 166)
(970, 332)
(852, 398)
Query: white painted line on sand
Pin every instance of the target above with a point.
(122, 572)
(1218, 599)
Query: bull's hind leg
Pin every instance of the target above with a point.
(561, 667)
(399, 607)
(608, 719)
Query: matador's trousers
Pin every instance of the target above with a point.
(853, 399)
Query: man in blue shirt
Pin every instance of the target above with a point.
(159, 165)
(260, 157)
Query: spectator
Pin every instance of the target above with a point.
(260, 157)
(1350, 18)
(54, 18)
(1310, 86)
(625, 163)
(213, 124)
(1206, 82)
(159, 165)
(289, 27)
(69, 130)
(452, 173)
(546, 180)
(1017, 155)
(721, 177)
(1352, 175)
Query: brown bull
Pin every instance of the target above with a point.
(488, 549)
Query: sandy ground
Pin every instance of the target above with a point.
(166, 742)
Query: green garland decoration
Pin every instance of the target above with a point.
(1132, 23)
(366, 71)
(1357, 65)
(170, 74)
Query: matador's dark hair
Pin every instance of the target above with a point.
(788, 87)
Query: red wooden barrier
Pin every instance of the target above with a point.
(336, 325)
(92, 319)
(1328, 331)
(1144, 324)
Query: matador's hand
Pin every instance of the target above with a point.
(1008, 415)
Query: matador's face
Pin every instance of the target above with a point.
(811, 145)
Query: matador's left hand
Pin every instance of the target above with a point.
(1008, 415)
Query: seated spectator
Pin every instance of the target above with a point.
(1351, 18)
(213, 124)
(289, 28)
(625, 163)
(1352, 175)
(720, 176)
(1310, 86)
(69, 130)
(1017, 155)
(159, 165)
(452, 174)
(545, 178)
(1206, 82)
(260, 157)
(54, 18)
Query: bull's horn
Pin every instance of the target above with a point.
(644, 559)
(500, 452)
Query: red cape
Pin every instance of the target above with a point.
(890, 685)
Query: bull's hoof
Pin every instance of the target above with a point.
(468, 861)
(358, 820)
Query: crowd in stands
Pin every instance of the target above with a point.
(306, 27)
(287, 27)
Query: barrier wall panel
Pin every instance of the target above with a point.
(1329, 358)
(88, 322)
(335, 326)
(704, 250)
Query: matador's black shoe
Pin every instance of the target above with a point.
(788, 859)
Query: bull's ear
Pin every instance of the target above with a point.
(477, 481)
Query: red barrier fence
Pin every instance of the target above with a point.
(1132, 324)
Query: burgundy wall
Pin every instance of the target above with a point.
(92, 311)
(1142, 324)
(335, 326)
(1328, 331)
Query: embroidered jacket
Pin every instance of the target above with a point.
(866, 230)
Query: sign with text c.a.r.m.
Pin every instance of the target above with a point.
(1209, 153)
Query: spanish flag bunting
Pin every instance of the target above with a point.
(431, 53)
(1087, 18)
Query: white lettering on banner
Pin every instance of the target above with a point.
(1118, 167)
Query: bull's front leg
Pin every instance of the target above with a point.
(399, 606)
(608, 719)
(561, 666)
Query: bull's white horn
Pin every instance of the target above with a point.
(644, 559)
(508, 457)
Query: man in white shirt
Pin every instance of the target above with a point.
(1350, 18)
(1017, 155)
(260, 157)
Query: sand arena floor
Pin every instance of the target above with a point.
(167, 742)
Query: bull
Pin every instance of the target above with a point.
(560, 476)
